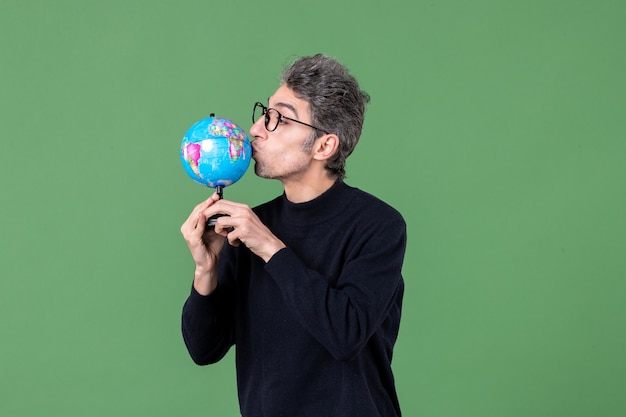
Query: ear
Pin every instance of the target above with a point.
(325, 147)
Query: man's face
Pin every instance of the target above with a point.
(280, 154)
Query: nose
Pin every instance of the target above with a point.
(257, 129)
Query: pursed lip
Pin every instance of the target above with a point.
(254, 150)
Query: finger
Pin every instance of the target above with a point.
(233, 235)
(234, 242)
(230, 207)
(192, 220)
(205, 204)
(217, 208)
(189, 225)
(233, 238)
(213, 198)
(200, 223)
(223, 226)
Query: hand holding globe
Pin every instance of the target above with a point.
(215, 152)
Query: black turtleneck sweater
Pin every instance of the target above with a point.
(314, 328)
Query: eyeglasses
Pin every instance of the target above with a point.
(273, 118)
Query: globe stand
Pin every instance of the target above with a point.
(213, 219)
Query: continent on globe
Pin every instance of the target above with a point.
(192, 156)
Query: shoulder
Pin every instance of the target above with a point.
(268, 205)
(368, 204)
(270, 210)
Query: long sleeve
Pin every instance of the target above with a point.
(208, 324)
(343, 312)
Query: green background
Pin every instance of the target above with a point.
(496, 127)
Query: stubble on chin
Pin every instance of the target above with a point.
(260, 172)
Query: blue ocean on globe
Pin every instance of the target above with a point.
(215, 152)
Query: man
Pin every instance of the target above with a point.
(308, 286)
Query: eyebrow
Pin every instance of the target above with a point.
(287, 106)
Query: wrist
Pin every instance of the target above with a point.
(272, 249)
(204, 281)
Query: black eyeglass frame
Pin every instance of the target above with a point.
(280, 117)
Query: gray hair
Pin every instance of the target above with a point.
(337, 103)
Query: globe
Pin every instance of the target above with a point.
(215, 152)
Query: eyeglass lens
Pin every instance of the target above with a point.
(272, 117)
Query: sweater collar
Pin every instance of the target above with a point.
(325, 206)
